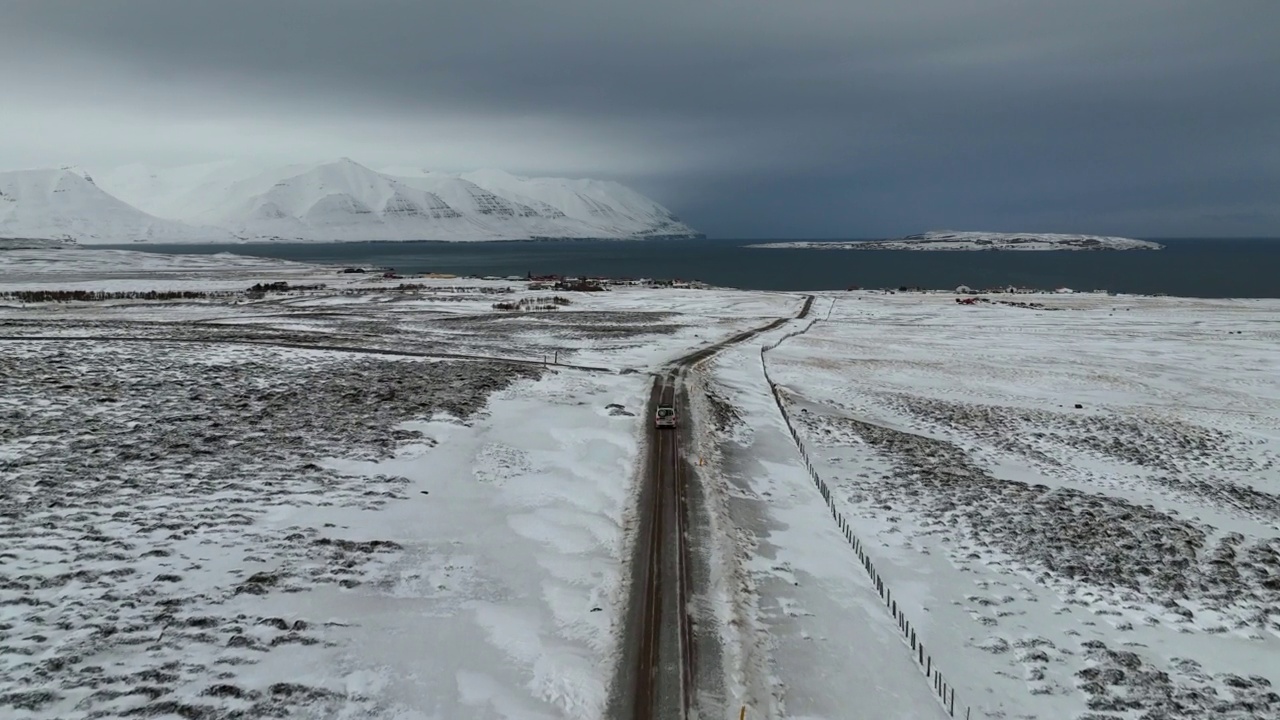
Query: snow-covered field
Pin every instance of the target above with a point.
(71, 268)
(1079, 510)
(225, 507)
(373, 500)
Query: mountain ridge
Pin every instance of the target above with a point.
(66, 204)
(344, 201)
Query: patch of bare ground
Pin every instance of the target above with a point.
(133, 483)
(1090, 546)
(1120, 682)
(1097, 539)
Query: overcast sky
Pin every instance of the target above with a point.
(748, 118)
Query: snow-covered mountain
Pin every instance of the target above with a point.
(610, 206)
(189, 192)
(346, 201)
(65, 203)
(513, 212)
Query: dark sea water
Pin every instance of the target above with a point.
(1188, 267)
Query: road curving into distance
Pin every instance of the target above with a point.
(657, 677)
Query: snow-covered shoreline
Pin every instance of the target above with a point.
(977, 241)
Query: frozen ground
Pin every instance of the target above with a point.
(1079, 509)
(625, 328)
(305, 505)
(227, 507)
(70, 267)
(805, 634)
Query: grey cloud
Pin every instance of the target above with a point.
(807, 118)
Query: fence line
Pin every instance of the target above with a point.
(945, 693)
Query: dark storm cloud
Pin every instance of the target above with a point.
(801, 118)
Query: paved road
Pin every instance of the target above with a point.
(657, 676)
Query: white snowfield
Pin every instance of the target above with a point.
(948, 240)
(246, 508)
(324, 202)
(1078, 507)
(94, 268)
(218, 520)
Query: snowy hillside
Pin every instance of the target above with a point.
(66, 204)
(512, 212)
(346, 201)
(601, 203)
(189, 192)
(946, 240)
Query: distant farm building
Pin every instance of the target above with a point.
(579, 285)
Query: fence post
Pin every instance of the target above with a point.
(941, 688)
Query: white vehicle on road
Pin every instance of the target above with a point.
(665, 416)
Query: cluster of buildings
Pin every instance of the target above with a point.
(1018, 290)
(580, 283)
(592, 284)
(995, 290)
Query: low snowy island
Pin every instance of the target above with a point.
(979, 241)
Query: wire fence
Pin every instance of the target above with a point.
(945, 693)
